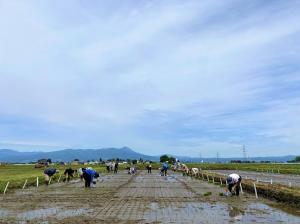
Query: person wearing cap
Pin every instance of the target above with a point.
(49, 173)
(233, 183)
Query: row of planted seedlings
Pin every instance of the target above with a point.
(278, 192)
(257, 167)
(37, 181)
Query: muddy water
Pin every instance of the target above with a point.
(143, 198)
(217, 213)
(60, 213)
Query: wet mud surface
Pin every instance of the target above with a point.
(265, 177)
(142, 198)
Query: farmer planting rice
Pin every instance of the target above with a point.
(149, 168)
(131, 170)
(80, 171)
(233, 184)
(164, 169)
(194, 172)
(116, 167)
(107, 166)
(184, 169)
(174, 168)
(68, 174)
(88, 176)
(49, 173)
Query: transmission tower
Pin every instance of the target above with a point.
(244, 153)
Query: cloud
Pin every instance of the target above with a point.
(178, 77)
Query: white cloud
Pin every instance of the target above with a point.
(151, 75)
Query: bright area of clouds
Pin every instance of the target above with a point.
(179, 77)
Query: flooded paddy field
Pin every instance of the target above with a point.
(284, 179)
(142, 198)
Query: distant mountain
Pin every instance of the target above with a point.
(12, 156)
(7, 155)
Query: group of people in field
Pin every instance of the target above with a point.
(112, 166)
(89, 175)
(233, 181)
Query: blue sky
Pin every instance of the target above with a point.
(179, 77)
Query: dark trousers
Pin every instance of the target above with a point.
(68, 177)
(164, 171)
(149, 169)
(88, 179)
(116, 170)
(237, 187)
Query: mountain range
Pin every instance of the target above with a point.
(12, 156)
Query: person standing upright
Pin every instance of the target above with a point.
(116, 167)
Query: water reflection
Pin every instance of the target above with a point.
(236, 213)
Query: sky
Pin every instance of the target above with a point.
(179, 77)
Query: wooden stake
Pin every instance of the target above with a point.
(271, 181)
(50, 180)
(255, 191)
(37, 181)
(6, 188)
(24, 184)
(241, 188)
(220, 181)
(290, 184)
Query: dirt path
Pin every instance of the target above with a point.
(142, 198)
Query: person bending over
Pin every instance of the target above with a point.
(164, 169)
(68, 174)
(233, 183)
(88, 176)
(49, 173)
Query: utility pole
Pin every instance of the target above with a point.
(200, 157)
(218, 157)
(244, 153)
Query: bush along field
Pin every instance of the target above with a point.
(17, 175)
